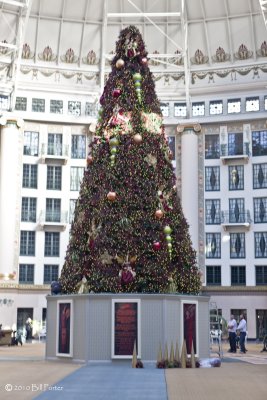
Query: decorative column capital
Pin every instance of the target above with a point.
(9, 119)
(189, 126)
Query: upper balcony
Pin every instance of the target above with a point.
(232, 219)
(55, 152)
(234, 152)
(53, 219)
(230, 152)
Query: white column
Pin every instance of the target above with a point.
(189, 167)
(11, 146)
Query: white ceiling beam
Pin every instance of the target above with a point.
(186, 60)
(83, 29)
(60, 32)
(230, 41)
(252, 30)
(206, 30)
(37, 34)
(14, 3)
(156, 26)
(103, 47)
(166, 28)
(144, 15)
(20, 36)
(263, 5)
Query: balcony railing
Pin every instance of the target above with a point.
(234, 219)
(53, 219)
(234, 151)
(55, 152)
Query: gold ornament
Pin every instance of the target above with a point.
(111, 196)
(120, 63)
(137, 138)
(159, 214)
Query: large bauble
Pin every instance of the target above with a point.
(111, 196)
(159, 214)
(56, 287)
(156, 246)
(167, 230)
(168, 238)
(137, 76)
(113, 142)
(137, 138)
(120, 63)
(116, 93)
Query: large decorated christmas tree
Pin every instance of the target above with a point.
(129, 233)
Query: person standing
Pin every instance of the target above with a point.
(28, 328)
(232, 334)
(242, 327)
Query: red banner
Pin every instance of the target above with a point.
(125, 328)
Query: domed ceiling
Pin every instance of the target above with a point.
(195, 46)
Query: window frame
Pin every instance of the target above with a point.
(30, 249)
(238, 273)
(48, 270)
(209, 253)
(30, 179)
(53, 177)
(241, 236)
(215, 274)
(26, 272)
(208, 178)
(29, 209)
(75, 178)
(78, 147)
(217, 206)
(262, 147)
(52, 244)
(257, 245)
(263, 274)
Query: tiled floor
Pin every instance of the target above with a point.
(25, 375)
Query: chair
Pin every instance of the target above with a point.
(42, 334)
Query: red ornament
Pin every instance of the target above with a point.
(159, 214)
(111, 196)
(156, 246)
(116, 93)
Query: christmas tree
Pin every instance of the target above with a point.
(129, 233)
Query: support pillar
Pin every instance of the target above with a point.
(11, 149)
(189, 172)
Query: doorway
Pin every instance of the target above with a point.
(22, 315)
